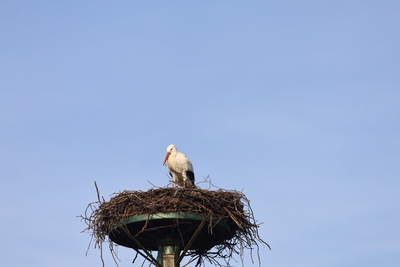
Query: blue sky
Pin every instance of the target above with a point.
(296, 103)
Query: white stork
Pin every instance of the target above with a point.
(179, 167)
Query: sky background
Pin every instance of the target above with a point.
(297, 103)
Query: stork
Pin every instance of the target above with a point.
(179, 167)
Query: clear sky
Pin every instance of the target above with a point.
(297, 103)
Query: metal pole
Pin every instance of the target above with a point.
(168, 253)
(169, 256)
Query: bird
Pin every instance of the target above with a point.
(179, 167)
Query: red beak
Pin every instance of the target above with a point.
(166, 157)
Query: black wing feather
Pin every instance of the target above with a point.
(190, 175)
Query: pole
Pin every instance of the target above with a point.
(168, 253)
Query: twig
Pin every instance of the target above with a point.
(97, 190)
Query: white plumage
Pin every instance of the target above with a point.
(179, 167)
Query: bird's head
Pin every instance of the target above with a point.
(170, 149)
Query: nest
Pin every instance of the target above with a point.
(231, 207)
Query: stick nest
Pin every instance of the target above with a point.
(232, 207)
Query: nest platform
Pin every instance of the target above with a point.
(192, 220)
(174, 229)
